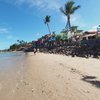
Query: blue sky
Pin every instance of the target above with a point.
(23, 19)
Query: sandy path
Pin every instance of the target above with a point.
(52, 77)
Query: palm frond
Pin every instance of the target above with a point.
(74, 9)
(69, 6)
(62, 10)
(47, 19)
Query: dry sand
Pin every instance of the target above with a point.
(50, 77)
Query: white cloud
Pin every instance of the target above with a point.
(10, 37)
(3, 30)
(41, 4)
(38, 34)
(7, 33)
(94, 28)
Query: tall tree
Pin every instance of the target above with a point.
(47, 21)
(68, 10)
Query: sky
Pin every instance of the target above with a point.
(24, 19)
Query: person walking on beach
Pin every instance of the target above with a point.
(34, 50)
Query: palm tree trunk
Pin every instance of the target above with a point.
(48, 28)
(69, 24)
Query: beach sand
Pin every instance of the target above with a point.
(50, 77)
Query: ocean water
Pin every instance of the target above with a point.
(12, 71)
(9, 54)
(11, 60)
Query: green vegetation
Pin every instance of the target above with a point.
(14, 47)
(18, 46)
(58, 37)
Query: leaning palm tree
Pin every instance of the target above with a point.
(47, 21)
(68, 10)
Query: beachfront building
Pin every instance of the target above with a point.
(89, 35)
(98, 31)
(74, 34)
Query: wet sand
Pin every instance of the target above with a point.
(49, 77)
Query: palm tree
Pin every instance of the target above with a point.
(68, 10)
(47, 21)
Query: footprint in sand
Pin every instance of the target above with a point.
(48, 93)
(63, 66)
(59, 76)
(26, 83)
(86, 91)
(73, 70)
(32, 90)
